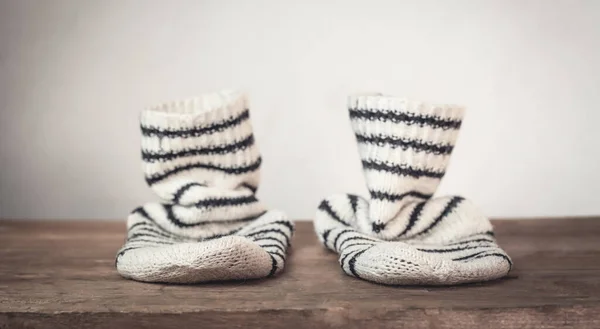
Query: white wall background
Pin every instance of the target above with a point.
(74, 75)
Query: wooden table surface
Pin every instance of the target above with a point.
(61, 275)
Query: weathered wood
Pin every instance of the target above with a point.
(61, 275)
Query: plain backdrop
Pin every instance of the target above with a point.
(75, 74)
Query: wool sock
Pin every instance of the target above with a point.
(200, 157)
(402, 235)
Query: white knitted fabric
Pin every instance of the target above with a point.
(200, 157)
(401, 234)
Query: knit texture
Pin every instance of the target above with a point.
(401, 234)
(200, 157)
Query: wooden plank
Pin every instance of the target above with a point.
(61, 274)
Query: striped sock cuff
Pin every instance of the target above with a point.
(405, 147)
(204, 141)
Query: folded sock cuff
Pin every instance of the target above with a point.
(411, 108)
(396, 134)
(204, 141)
(203, 114)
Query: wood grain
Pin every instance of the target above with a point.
(61, 275)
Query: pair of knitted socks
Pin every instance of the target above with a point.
(200, 157)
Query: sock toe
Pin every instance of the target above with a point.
(226, 258)
(398, 263)
(394, 263)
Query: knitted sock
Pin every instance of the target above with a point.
(402, 235)
(200, 157)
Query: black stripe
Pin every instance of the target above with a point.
(218, 236)
(147, 228)
(471, 241)
(277, 222)
(414, 217)
(343, 259)
(355, 238)
(136, 225)
(273, 266)
(454, 202)
(406, 118)
(199, 131)
(250, 187)
(405, 144)
(179, 193)
(377, 227)
(239, 170)
(226, 202)
(173, 219)
(131, 240)
(122, 252)
(271, 230)
(325, 235)
(151, 156)
(353, 202)
(377, 195)
(273, 246)
(339, 235)
(326, 207)
(352, 262)
(510, 263)
(142, 234)
(402, 170)
(141, 211)
(470, 256)
(360, 244)
(268, 238)
(277, 254)
(454, 249)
